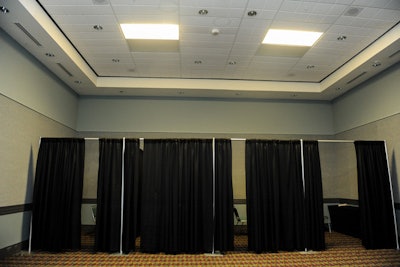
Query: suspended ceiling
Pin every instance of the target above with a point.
(219, 54)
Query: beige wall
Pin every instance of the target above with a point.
(19, 141)
(339, 170)
(387, 129)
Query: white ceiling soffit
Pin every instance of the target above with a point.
(219, 54)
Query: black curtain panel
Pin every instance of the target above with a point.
(376, 213)
(132, 194)
(223, 230)
(313, 200)
(108, 218)
(177, 196)
(57, 197)
(275, 200)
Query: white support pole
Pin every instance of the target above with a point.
(336, 141)
(302, 176)
(238, 139)
(302, 166)
(391, 192)
(213, 239)
(122, 194)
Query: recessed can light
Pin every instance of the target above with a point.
(98, 27)
(376, 64)
(252, 13)
(4, 10)
(203, 11)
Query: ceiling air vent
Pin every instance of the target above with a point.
(22, 28)
(64, 69)
(355, 78)
(394, 54)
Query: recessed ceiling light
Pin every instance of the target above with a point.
(353, 11)
(151, 31)
(290, 37)
(49, 55)
(203, 11)
(4, 10)
(252, 13)
(98, 27)
(342, 38)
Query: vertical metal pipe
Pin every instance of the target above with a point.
(302, 177)
(213, 239)
(391, 192)
(122, 194)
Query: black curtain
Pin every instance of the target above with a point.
(376, 213)
(132, 194)
(223, 230)
(274, 188)
(108, 218)
(177, 196)
(313, 199)
(57, 196)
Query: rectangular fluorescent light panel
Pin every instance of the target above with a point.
(151, 31)
(290, 37)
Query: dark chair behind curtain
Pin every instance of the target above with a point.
(376, 213)
(223, 196)
(108, 218)
(132, 194)
(57, 197)
(274, 188)
(177, 196)
(314, 214)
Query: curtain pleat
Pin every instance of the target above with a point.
(57, 197)
(223, 196)
(314, 214)
(132, 194)
(177, 196)
(274, 188)
(376, 213)
(108, 218)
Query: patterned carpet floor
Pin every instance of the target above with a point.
(341, 250)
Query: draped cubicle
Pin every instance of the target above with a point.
(177, 195)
